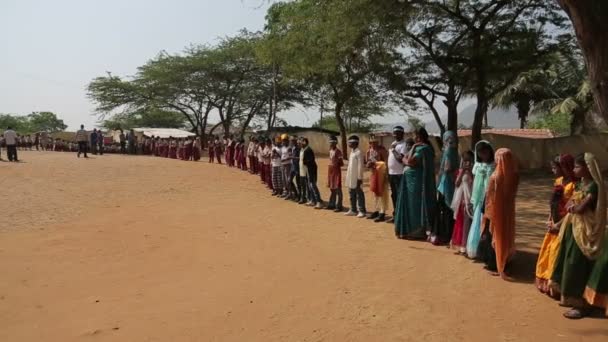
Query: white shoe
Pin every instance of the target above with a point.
(361, 215)
(350, 213)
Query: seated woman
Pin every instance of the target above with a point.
(582, 236)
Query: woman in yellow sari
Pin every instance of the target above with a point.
(582, 236)
(563, 188)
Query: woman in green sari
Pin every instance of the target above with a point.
(416, 199)
(582, 236)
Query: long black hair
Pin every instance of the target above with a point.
(485, 146)
(423, 135)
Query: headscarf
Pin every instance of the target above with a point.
(449, 157)
(589, 227)
(482, 173)
(500, 205)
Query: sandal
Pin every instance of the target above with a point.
(575, 313)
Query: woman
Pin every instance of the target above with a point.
(444, 223)
(482, 170)
(416, 199)
(582, 236)
(563, 187)
(500, 213)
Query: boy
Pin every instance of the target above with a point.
(378, 184)
(277, 169)
(334, 176)
(354, 179)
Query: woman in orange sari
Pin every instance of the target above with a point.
(563, 188)
(499, 234)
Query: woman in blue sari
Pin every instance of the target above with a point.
(444, 220)
(483, 169)
(416, 200)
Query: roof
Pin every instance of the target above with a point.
(164, 132)
(296, 129)
(514, 132)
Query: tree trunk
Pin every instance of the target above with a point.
(577, 125)
(270, 122)
(340, 120)
(431, 105)
(523, 109)
(589, 19)
(451, 102)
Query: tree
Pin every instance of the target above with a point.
(589, 20)
(153, 118)
(496, 40)
(18, 123)
(45, 121)
(332, 45)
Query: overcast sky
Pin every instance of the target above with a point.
(51, 49)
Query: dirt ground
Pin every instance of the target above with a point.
(119, 248)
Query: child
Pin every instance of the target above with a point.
(563, 188)
(266, 158)
(277, 170)
(461, 203)
(378, 185)
(499, 235)
(354, 179)
(482, 170)
(334, 176)
(196, 150)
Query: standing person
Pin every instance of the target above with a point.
(334, 176)
(376, 152)
(304, 193)
(100, 142)
(82, 138)
(132, 142)
(196, 150)
(499, 218)
(10, 139)
(378, 185)
(308, 159)
(230, 150)
(443, 226)
(563, 188)
(295, 168)
(267, 158)
(123, 142)
(260, 157)
(582, 235)
(286, 150)
(37, 141)
(354, 179)
(277, 171)
(93, 140)
(416, 200)
(483, 169)
(251, 155)
(461, 203)
(395, 165)
(172, 148)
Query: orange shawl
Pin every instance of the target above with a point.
(500, 206)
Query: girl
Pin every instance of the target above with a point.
(444, 222)
(416, 199)
(461, 203)
(500, 213)
(483, 168)
(563, 187)
(582, 235)
(196, 149)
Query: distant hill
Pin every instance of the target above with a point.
(497, 118)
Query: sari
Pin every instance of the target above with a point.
(443, 225)
(416, 199)
(500, 208)
(481, 173)
(562, 192)
(582, 237)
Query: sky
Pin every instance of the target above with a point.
(51, 50)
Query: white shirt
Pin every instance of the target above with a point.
(276, 161)
(285, 155)
(10, 137)
(396, 167)
(354, 173)
(303, 168)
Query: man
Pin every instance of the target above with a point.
(354, 179)
(10, 139)
(251, 153)
(397, 151)
(100, 142)
(277, 169)
(94, 141)
(308, 159)
(295, 169)
(334, 176)
(123, 142)
(286, 150)
(82, 139)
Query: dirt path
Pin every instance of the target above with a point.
(146, 249)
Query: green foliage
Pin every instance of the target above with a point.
(32, 123)
(558, 122)
(151, 118)
(414, 122)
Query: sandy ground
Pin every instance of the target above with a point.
(121, 248)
